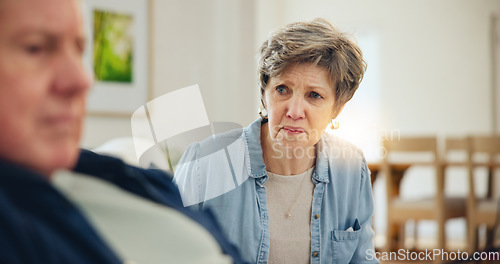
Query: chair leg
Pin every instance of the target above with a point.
(472, 237)
(490, 238)
(402, 235)
(441, 234)
(415, 235)
(389, 236)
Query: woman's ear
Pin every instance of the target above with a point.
(337, 111)
(263, 109)
(263, 101)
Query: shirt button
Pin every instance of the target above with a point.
(316, 216)
(315, 254)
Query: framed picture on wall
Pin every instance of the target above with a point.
(117, 55)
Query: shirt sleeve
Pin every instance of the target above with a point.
(187, 177)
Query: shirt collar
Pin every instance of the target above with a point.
(257, 167)
(322, 171)
(14, 174)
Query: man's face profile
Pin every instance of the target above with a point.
(43, 84)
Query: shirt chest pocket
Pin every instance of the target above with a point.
(345, 243)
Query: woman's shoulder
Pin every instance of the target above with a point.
(220, 138)
(212, 144)
(344, 158)
(331, 142)
(209, 168)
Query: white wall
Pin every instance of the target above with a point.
(99, 129)
(209, 43)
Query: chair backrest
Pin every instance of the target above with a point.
(487, 145)
(455, 144)
(455, 153)
(409, 145)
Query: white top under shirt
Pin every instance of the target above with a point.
(290, 237)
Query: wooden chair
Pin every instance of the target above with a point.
(482, 210)
(438, 207)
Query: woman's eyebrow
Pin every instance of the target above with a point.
(281, 80)
(315, 86)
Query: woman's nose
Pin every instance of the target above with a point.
(295, 109)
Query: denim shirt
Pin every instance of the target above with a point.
(226, 174)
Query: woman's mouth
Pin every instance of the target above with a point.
(294, 130)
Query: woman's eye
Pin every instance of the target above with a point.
(315, 95)
(281, 89)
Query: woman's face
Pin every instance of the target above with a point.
(300, 105)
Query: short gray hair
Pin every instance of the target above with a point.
(319, 43)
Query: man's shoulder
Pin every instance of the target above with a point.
(152, 184)
(106, 166)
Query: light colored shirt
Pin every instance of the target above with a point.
(289, 200)
(141, 231)
(226, 173)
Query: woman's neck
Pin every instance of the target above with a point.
(285, 160)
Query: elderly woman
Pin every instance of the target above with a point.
(283, 190)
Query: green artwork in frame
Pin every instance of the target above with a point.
(113, 47)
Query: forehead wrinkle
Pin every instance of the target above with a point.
(283, 80)
(313, 79)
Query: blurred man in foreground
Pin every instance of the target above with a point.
(62, 205)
